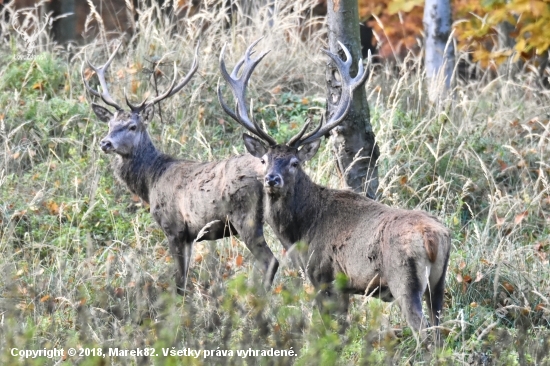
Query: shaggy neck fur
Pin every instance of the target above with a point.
(142, 168)
(294, 213)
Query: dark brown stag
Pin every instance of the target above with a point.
(184, 196)
(382, 251)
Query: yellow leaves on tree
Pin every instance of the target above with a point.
(397, 25)
(478, 25)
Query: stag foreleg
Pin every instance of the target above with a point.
(180, 249)
(252, 234)
(333, 302)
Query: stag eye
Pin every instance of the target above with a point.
(132, 127)
(262, 161)
(294, 164)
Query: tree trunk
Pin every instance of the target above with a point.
(64, 29)
(353, 141)
(439, 57)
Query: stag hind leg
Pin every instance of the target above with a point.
(407, 284)
(434, 299)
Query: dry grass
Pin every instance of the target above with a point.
(84, 265)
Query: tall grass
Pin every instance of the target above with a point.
(84, 265)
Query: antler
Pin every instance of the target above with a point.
(172, 89)
(349, 84)
(238, 87)
(100, 72)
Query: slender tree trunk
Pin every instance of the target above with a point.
(439, 57)
(354, 141)
(64, 28)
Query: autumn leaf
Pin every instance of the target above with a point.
(309, 289)
(53, 208)
(277, 290)
(45, 298)
(134, 86)
(502, 165)
(500, 221)
(396, 6)
(479, 276)
(541, 246)
(519, 217)
(508, 287)
(119, 292)
(239, 260)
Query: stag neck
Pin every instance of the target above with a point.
(296, 212)
(141, 169)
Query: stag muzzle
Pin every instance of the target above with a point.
(106, 146)
(273, 181)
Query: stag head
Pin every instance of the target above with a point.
(283, 162)
(128, 127)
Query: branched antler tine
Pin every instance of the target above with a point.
(100, 72)
(234, 88)
(170, 90)
(238, 88)
(174, 89)
(90, 89)
(309, 134)
(235, 72)
(135, 108)
(347, 63)
(349, 84)
(225, 107)
(299, 135)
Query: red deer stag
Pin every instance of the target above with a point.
(390, 252)
(184, 195)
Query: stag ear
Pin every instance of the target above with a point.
(309, 150)
(148, 113)
(254, 146)
(102, 113)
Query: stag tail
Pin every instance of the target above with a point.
(434, 236)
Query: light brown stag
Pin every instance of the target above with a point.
(382, 251)
(184, 196)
